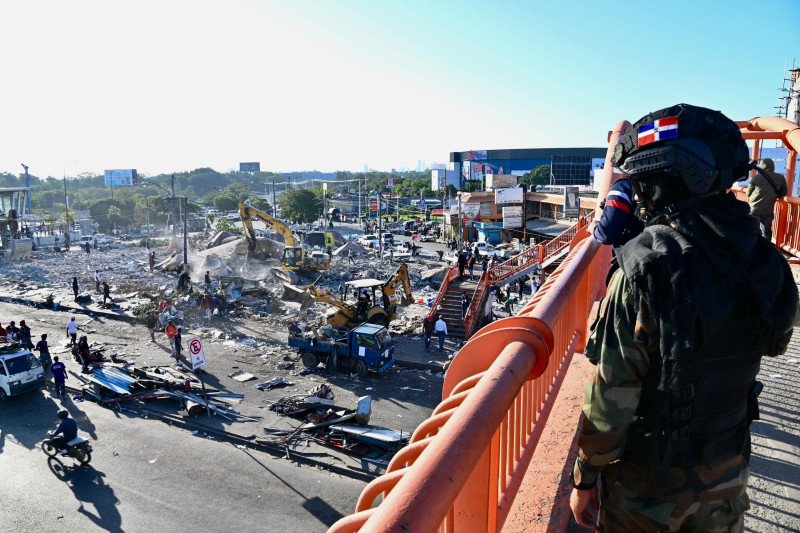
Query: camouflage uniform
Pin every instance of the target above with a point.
(710, 498)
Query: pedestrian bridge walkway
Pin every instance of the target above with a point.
(468, 466)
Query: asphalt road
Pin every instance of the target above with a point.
(145, 476)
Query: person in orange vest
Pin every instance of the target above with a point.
(171, 330)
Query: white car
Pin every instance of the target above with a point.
(368, 240)
(20, 372)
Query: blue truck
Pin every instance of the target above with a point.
(367, 347)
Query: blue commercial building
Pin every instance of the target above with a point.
(568, 166)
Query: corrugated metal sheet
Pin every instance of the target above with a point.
(113, 379)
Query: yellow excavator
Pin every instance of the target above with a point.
(366, 308)
(295, 257)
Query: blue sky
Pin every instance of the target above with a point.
(175, 85)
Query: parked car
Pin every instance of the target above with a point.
(388, 237)
(368, 240)
(20, 371)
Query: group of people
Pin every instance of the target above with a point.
(431, 327)
(101, 285)
(13, 333)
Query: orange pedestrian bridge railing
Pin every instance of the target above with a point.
(515, 266)
(463, 466)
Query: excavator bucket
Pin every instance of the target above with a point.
(293, 293)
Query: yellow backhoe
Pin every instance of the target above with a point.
(294, 257)
(367, 307)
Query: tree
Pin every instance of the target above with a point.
(300, 205)
(223, 224)
(539, 176)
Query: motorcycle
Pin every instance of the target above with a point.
(78, 448)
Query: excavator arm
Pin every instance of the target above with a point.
(400, 277)
(248, 212)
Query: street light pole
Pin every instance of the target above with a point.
(66, 212)
(28, 185)
(185, 236)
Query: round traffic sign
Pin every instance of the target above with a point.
(195, 346)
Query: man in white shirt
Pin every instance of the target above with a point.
(97, 279)
(72, 331)
(441, 331)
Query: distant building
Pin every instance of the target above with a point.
(568, 166)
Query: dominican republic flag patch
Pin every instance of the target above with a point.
(661, 129)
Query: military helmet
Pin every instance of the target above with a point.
(701, 147)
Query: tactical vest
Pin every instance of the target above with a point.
(708, 419)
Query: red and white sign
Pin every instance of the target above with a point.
(196, 353)
(389, 183)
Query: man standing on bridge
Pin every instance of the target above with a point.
(698, 299)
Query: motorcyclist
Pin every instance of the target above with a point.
(68, 428)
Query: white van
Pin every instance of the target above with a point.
(20, 371)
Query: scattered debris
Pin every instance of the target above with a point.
(242, 376)
(274, 384)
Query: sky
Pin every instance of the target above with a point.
(173, 85)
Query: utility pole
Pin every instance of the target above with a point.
(66, 212)
(171, 196)
(524, 217)
(147, 219)
(185, 236)
(460, 225)
(28, 185)
(359, 201)
(380, 230)
(274, 205)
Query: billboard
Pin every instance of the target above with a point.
(512, 217)
(389, 183)
(572, 203)
(473, 155)
(510, 195)
(125, 177)
(500, 181)
(472, 210)
(249, 167)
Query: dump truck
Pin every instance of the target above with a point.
(295, 257)
(370, 310)
(367, 347)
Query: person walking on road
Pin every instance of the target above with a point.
(106, 293)
(441, 331)
(462, 263)
(764, 190)
(83, 353)
(176, 346)
(44, 352)
(72, 331)
(150, 323)
(97, 280)
(678, 341)
(59, 371)
(25, 335)
(427, 330)
(471, 264)
(75, 288)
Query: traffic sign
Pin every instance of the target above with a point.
(196, 353)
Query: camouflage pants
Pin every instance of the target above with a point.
(625, 511)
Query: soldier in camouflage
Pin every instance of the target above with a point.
(699, 298)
